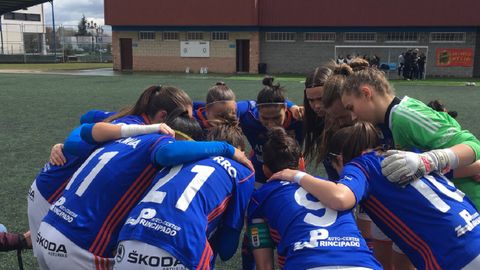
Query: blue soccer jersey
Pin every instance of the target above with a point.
(307, 233)
(256, 135)
(186, 204)
(94, 116)
(52, 179)
(432, 221)
(133, 119)
(99, 195)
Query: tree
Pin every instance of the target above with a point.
(82, 27)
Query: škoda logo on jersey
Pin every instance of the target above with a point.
(54, 249)
(155, 261)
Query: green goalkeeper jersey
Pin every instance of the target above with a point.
(414, 125)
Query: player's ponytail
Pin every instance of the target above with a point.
(271, 94)
(334, 85)
(226, 128)
(280, 151)
(366, 75)
(219, 92)
(358, 64)
(154, 99)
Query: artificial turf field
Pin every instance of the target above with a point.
(39, 110)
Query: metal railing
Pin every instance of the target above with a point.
(35, 43)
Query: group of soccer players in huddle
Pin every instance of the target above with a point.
(165, 183)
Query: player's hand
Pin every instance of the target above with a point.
(165, 129)
(56, 155)
(403, 167)
(240, 157)
(298, 112)
(284, 175)
(28, 239)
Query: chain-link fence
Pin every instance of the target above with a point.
(37, 43)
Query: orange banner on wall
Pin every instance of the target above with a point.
(454, 57)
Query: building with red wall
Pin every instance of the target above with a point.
(291, 36)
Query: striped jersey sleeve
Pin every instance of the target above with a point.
(414, 124)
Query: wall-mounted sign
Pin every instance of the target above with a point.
(195, 49)
(454, 57)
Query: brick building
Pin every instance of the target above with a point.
(291, 36)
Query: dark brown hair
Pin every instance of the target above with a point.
(156, 98)
(351, 141)
(220, 92)
(179, 120)
(226, 128)
(313, 124)
(280, 151)
(271, 93)
(440, 107)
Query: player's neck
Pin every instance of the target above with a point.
(382, 103)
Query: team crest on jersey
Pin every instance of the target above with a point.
(120, 253)
(255, 238)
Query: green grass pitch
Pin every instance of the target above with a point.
(39, 110)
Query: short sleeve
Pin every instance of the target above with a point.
(354, 177)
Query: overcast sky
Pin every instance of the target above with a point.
(69, 12)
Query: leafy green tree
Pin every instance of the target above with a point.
(82, 27)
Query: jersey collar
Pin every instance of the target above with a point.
(390, 108)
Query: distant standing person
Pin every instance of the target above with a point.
(401, 63)
(422, 60)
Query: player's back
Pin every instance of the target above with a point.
(100, 193)
(186, 203)
(308, 234)
(432, 221)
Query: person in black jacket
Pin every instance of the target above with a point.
(15, 241)
(422, 60)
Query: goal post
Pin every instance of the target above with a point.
(388, 54)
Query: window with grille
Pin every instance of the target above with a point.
(194, 35)
(146, 35)
(170, 36)
(447, 37)
(360, 37)
(401, 37)
(320, 37)
(280, 36)
(22, 16)
(220, 36)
